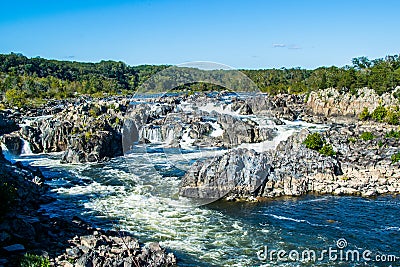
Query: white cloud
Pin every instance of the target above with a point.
(294, 47)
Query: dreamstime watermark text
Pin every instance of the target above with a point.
(331, 254)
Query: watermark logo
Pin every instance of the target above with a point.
(338, 253)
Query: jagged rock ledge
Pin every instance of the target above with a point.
(360, 168)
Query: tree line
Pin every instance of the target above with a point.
(31, 80)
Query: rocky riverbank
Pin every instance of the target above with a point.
(91, 130)
(63, 241)
(363, 161)
(360, 167)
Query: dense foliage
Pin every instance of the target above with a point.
(390, 115)
(393, 134)
(28, 80)
(315, 141)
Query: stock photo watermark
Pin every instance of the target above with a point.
(338, 253)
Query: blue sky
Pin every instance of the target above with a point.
(241, 34)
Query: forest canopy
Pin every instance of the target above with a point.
(31, 80)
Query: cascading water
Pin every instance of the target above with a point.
(153, 134)
(26, 148)
(138, 194)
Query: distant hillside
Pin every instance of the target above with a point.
(31, 80)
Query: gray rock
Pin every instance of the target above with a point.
(240, 172)
(16, 248)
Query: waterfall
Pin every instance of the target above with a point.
(218, 131)
(26, 148)
(170, 136)
(153, 134)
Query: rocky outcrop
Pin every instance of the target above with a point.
(64, 241)
(359, 168)
(88, 132)
(238, 172)
(281, 106)
(238, 131)
(332, 103)
(113, 249)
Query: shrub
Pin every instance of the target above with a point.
(393, 134)
(117, 120)
(314, 141)
(364, 115)
(30, 260)
(366, 136)
(392, 117)
(16, 97)
(327, 150)
(396, 157)
(379, 113)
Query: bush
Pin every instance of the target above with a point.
(379, 113)
(396, 157)
(392, 117)
(364, 115)
(366, 136)
(393, 134)
(16, 97)
(327, 150)
(314, 141)
(30, 260)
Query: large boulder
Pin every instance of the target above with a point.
(87, 131)
(96, 147)
(236, 131)
(239, 172)
(33, 136)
